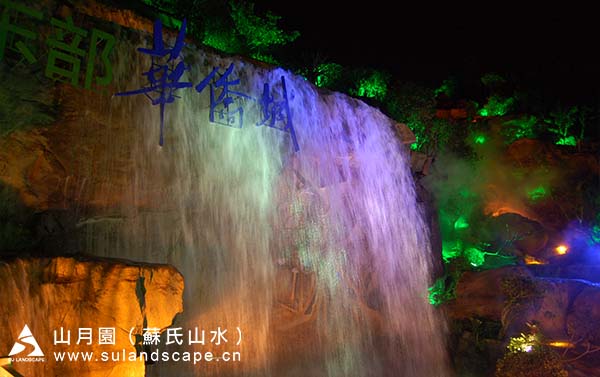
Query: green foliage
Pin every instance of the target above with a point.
(231, 26)
(414, 105)
(497, 106)
(501, 99)
(25, 101)
(442, 290)
(525, 127)
(540, 363)
(220, 37)
(563, 121)
(475, 256)
(569, 140)
(524, 343)
(451, 249)
(327, 74)
(455, 248)
(457, 259)
(461, 223)
(373, 85)
(419, 128)
(479, 139)
(448, 88)
(260, 33)
(537, 193)
(454, 184)
(242, 31)
(265, 58)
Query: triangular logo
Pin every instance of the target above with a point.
(27, 338)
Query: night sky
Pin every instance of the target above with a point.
(550, 50)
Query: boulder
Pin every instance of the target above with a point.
(478, 294)
(547, 309)
(47, 294)
(514, 234)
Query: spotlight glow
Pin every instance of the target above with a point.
(532, 260)
(561, 249)
(561, 344)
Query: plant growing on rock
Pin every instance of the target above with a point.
(563, 122)
(519, 288)
(233, 27)
(500, 101)
(519, 128)
(524, 343)
(542, 362)
(442, 290)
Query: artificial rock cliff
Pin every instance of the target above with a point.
(48, 294)
(98, 183)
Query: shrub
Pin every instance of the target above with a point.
(540, 363)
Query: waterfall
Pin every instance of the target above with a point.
(319, 256)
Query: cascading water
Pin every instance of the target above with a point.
(320, 256)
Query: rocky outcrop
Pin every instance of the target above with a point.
(478, 294)
(565, 312)
(47, 294)
(547, 308)
(560, 309)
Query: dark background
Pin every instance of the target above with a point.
(550, 50)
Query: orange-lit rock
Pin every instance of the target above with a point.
(405, 133)
(47, 294)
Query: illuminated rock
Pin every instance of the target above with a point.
(47, 294)
(547, 308)
(558, 309)
(515, 234)
(478, 294)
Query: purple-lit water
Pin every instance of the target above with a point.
(321, 256)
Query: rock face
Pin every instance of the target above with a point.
(559, 307)
(547, 308)
(48, 294)
(563, 311)
(478, 294)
